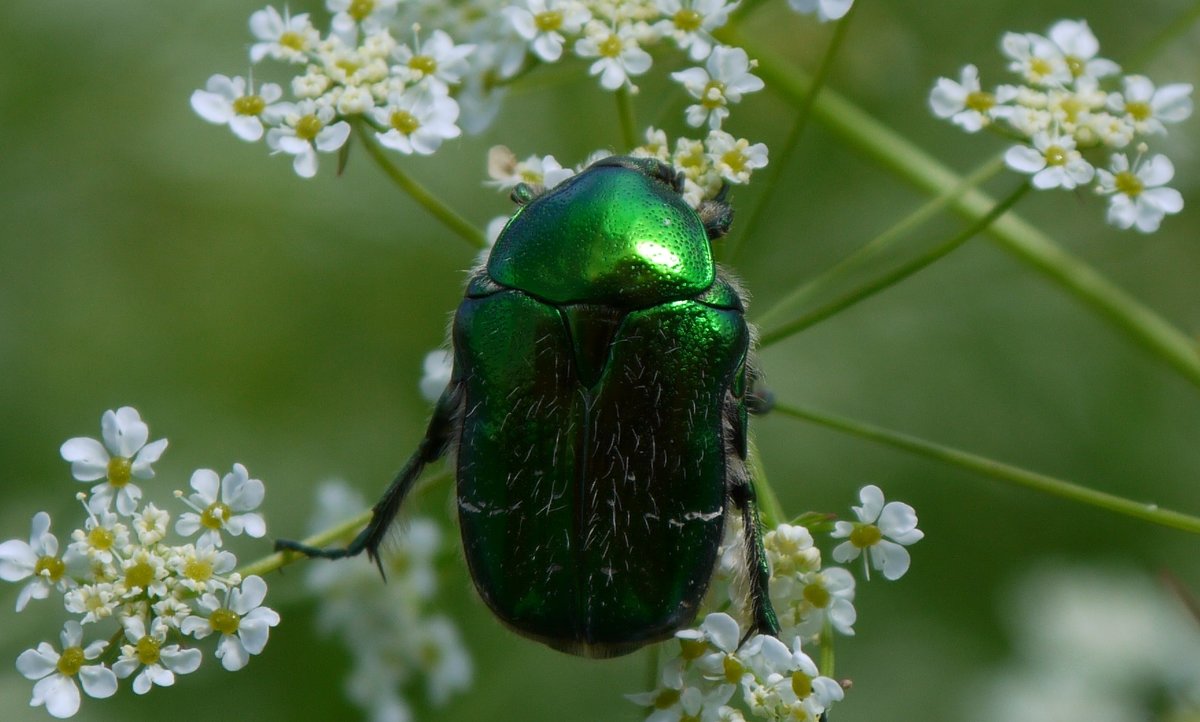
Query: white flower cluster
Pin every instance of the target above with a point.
(388, 629)
(118, 570)
(708, 165)
(1061, 111)
(812, 603)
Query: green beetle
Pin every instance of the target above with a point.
(598, 409)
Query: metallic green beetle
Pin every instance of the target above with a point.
(598, 409)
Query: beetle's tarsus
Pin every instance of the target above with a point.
(765, 621)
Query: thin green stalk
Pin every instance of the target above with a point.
(1028, 244)
(785, 150)
(883, 241)
(894, 276)
(439, 210)
(626, 116)
(1006, 473)
(828, 659)
(769, 509)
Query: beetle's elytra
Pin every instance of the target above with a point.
(598, 411)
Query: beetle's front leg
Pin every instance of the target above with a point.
(434, 444)
(743, 497)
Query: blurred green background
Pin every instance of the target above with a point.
(149, 258)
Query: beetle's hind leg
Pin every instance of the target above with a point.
(765, 622)
(433, 445)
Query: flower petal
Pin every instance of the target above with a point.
(98, 681)
(59, 694)
(88, 457)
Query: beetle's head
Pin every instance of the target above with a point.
(618, 233)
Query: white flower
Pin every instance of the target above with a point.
(1053, 162)
(151, 524)
(202, 570)
(435, 373)
(417, 121)
(734, 159)
(308, 128)
(806, 681)
(965, 103)
(656, 146)
(101, 538)
(123, 455)
(437, 62)
(543, 23)
(1149, 107)
(227, 101)
(159, 664)
(691, 22)
(38, 559)
(171, 611)
(1079, 46)
(805, 602)
(95, 601)
(790, 550)
(825, 10)
(56, 672)
(619, 55)
(372, 15)
(1037, 59)
(244, 624)
(883, 530)
(144, 571)
(448, 667)
(507, 172)
(223, 505)
(282, 37)
(1138, 195)
(726, 78)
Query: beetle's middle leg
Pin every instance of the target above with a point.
(433, 445)
(742, 495)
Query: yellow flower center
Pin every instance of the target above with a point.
(801, 684)
(1071, 107)
(734, 669)
(119, 471)
(1076, 66)
(691, 649)
(611, 46)
(688, 20)
(51, 567)
(249, 105)
(423, 64)
(139, 575)
(1055, 155)
(548, 21)
(217, 513)
(225, 621)
(666, 699)
(147, 650)
(713, 95)
(865, 535)
(360, 9)
(1128, 183)
(1138, 111)
(1040, 66)
(100, 538)
(198, 570)
(70, 661)
(308, 127)
(816, 595)
(980, 101)
(735, 160)
(349, 67)
(405, 122)
(294, 41)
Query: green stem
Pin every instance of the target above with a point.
(627, 119)
(1029, 245)
(788, 147)
(883, 241)
(997, 470)
(418, 192)
(770, 511)
(828, 659)
(894, 276)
